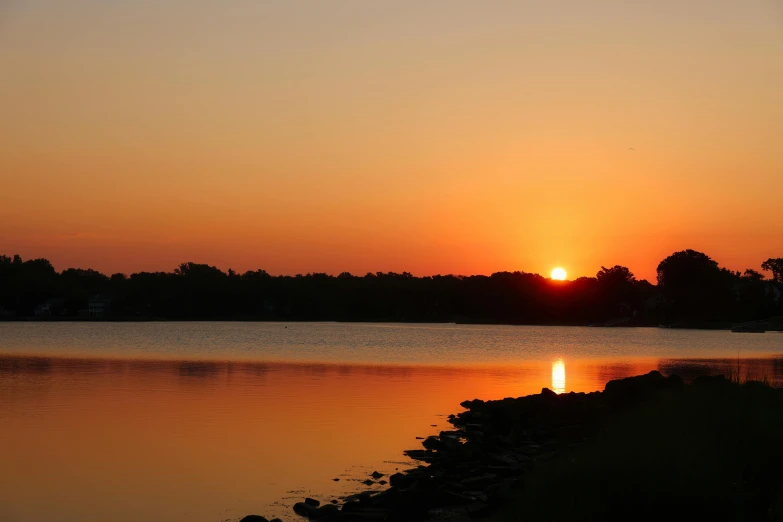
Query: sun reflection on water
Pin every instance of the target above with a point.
(558, 376)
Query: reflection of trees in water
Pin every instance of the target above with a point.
(23, 365)
(689, 369)
(201, 369)
(747, 368)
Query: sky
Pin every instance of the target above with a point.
(430, 137)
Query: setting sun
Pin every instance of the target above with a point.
(558, 274)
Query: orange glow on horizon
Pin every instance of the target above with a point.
(305, 143)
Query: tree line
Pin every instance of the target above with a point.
(690, 286)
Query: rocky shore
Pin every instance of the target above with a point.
(480, 465)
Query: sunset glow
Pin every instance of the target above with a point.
(309, 139)
(558, 376)
(558, 274)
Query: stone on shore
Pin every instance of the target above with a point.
(305, 510)
(479, 466)
(254, 518)
(312, 502)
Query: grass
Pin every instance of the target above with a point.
(712, 452)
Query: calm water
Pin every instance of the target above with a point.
(212, 421)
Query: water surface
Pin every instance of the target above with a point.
(213, 421)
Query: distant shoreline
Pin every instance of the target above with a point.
(683, 325)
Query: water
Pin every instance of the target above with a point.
(213, 421)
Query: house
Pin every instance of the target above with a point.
(99, 306)
(52, 306)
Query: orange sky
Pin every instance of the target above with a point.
(445, 137)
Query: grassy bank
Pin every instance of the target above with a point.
(712, 450)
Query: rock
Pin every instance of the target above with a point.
(479, 481)
(254, 518)
(633, 387)
(479, 509)
(273, 520)
(336, 479)
(376, 475)
(419, 438)
(333, 501)
(305, 510)
(312, 502)
(548, 394)
(674, 381)
(431, 443)
(327, 511)
(382, 482)
(351, 505)
(502, 492)
(469, 405)
(710, 380)
(572, 433)
(368, 482)
(400, 480)
(365, 515)
(423, 455)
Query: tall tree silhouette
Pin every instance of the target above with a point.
(774, 265)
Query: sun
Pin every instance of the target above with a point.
(558, 274)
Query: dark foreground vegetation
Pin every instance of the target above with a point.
(691, 290)
(645, 448)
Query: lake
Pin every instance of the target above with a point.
(213, 421)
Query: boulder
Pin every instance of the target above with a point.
(312, 502)
(305, 510)
(365, 515)
(479, 481)
(710, 380)
(327, 511)
(400, 480)
(423, 455)
(674, 381)
(478, 509)
(350, 505)
(632, 387)
(431, 443)
(254, 518)
(376, 475)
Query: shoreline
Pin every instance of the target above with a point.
(479, 468)
(682, 325)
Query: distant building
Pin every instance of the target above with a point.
(52, 306)
(99, 306)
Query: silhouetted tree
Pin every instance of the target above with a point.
(774, 265)
(752, 275)
(695, 286)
